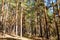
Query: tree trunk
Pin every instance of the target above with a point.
(3, 15)
(46, 23)
(16, 17)
(56, 26)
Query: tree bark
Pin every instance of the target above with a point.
(3, 15)
(16, 17)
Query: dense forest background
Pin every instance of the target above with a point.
(30, 18)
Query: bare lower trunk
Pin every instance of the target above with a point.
(16, 17)
(3, 14)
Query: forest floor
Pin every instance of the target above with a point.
(6, 36)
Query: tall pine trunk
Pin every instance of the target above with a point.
(56, 25)
(3, 15)
(46, 23)
(16, 17)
